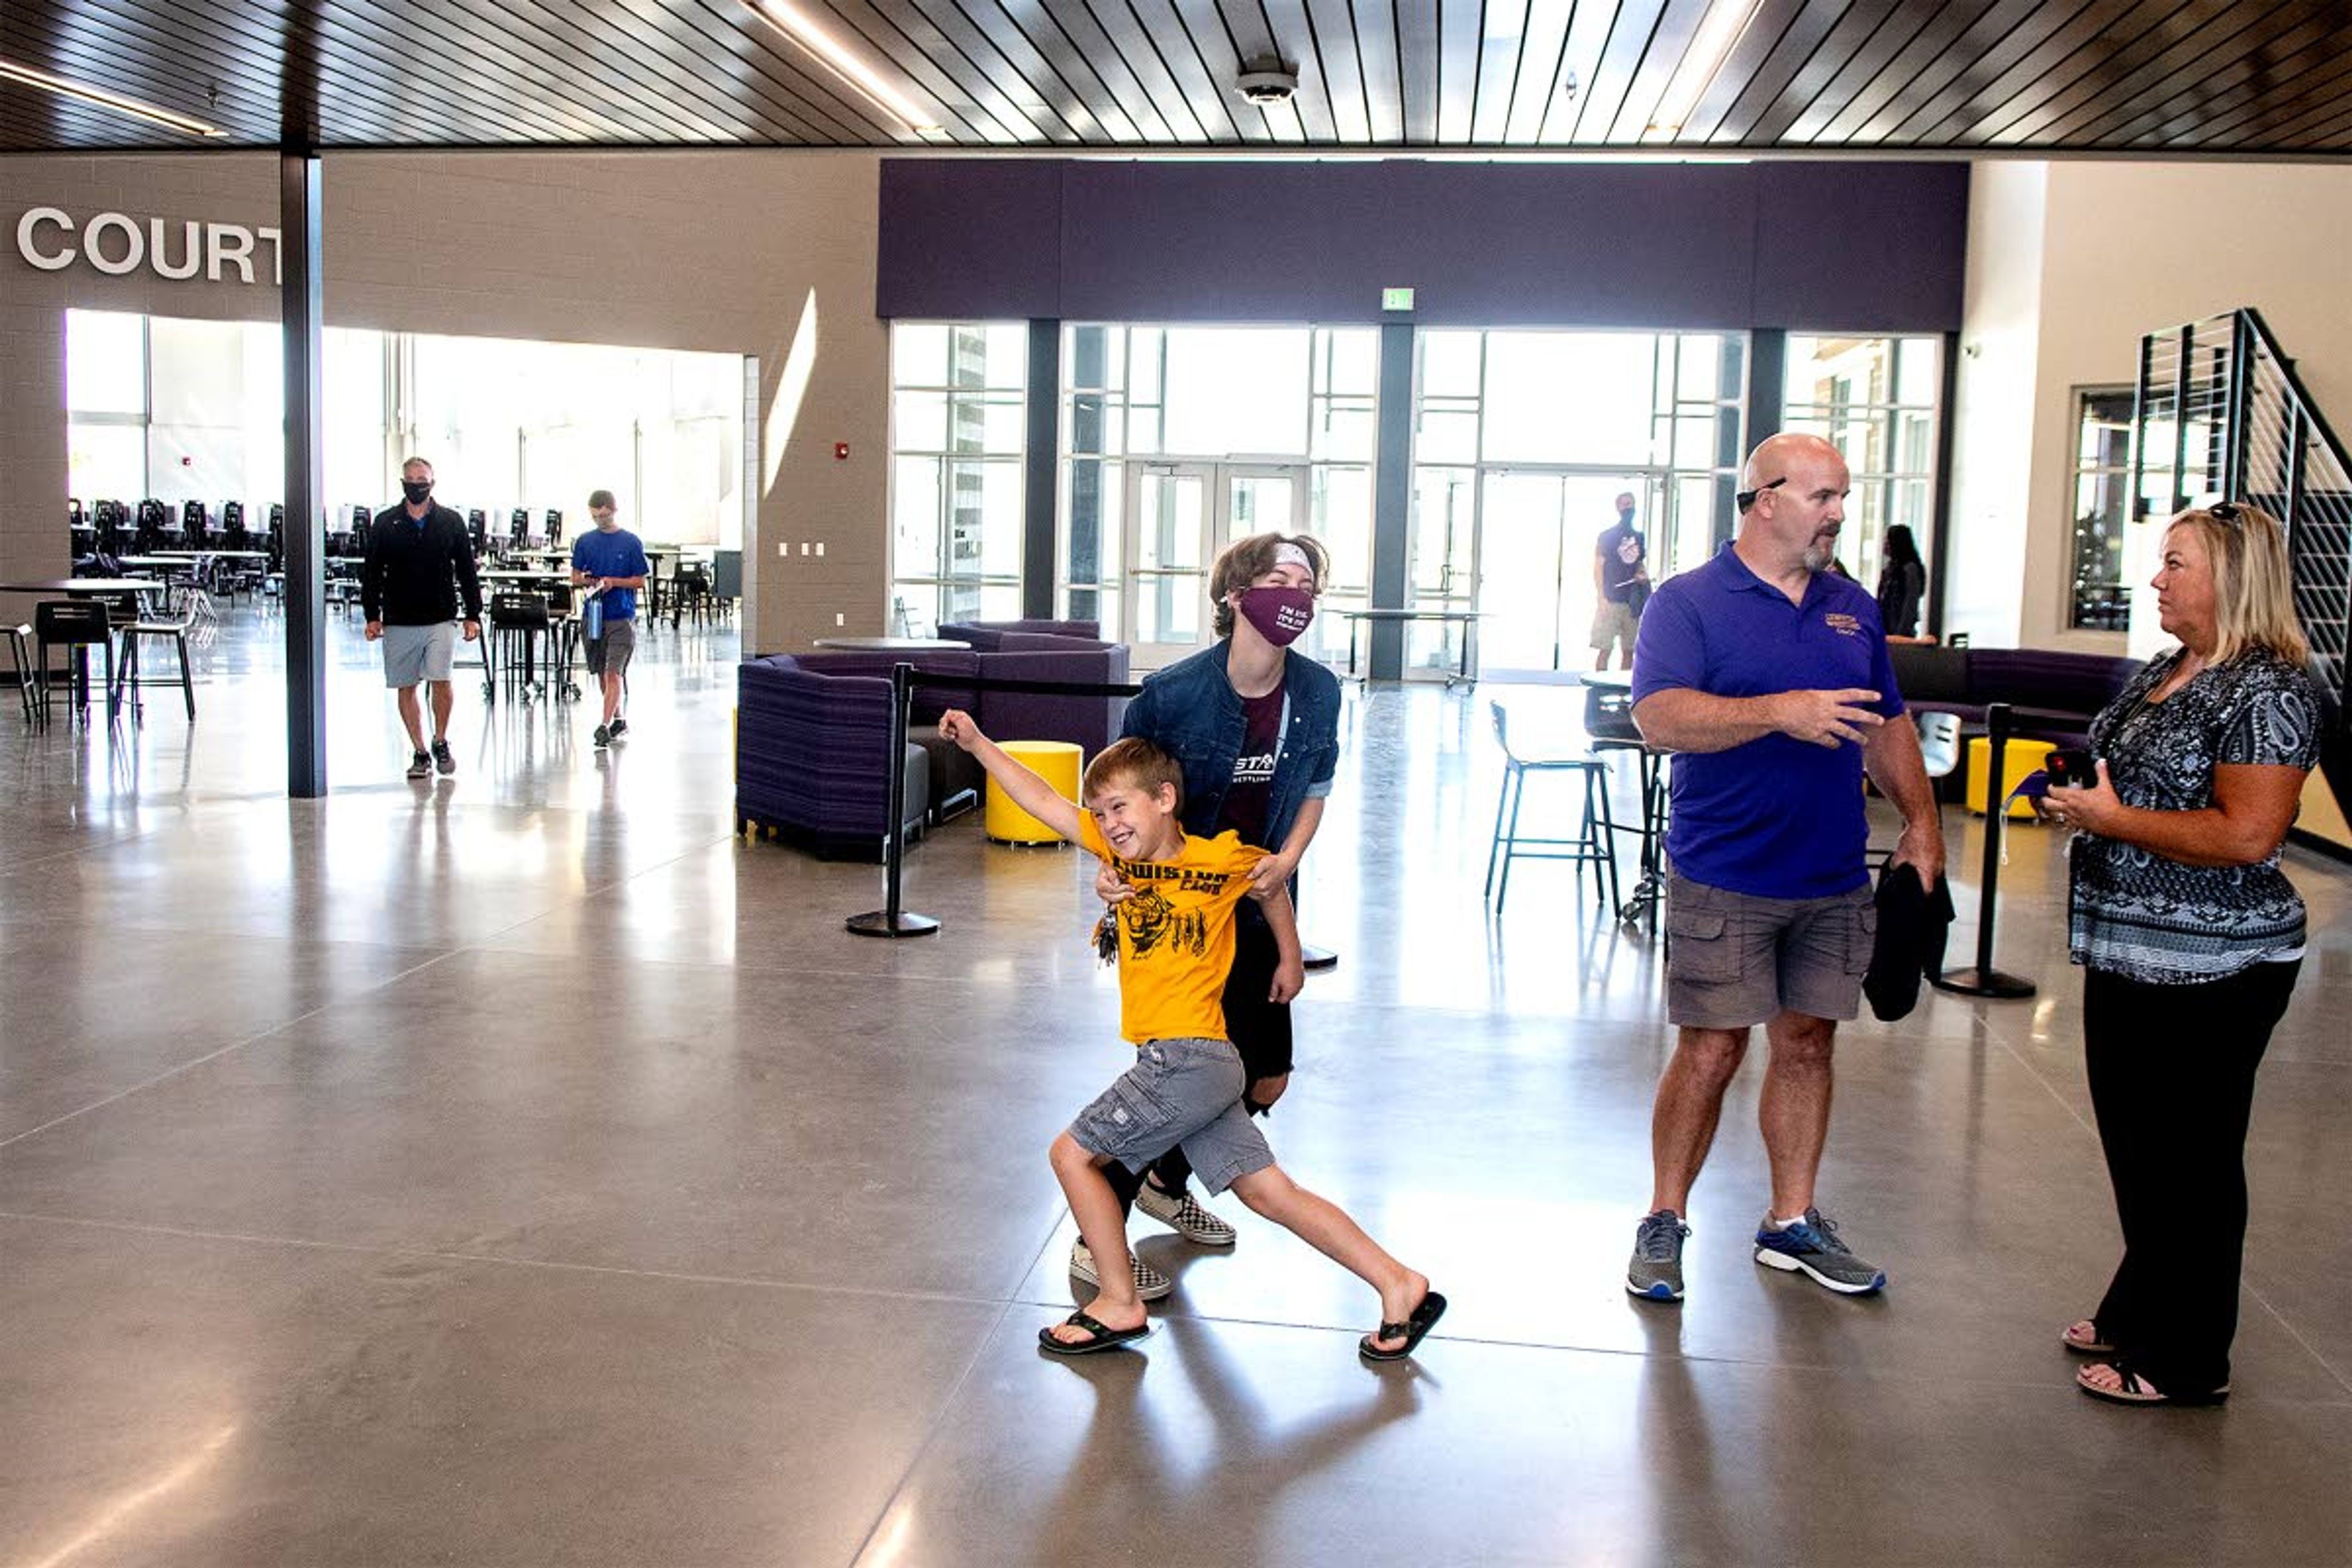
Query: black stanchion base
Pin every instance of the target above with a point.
(1319, 957)
(1990, 982)
(879, 923)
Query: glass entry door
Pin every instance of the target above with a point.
(1537, 533)
(1180, 517)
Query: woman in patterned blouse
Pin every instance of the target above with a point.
(2190, 938)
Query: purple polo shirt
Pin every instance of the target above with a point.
(1777, 817)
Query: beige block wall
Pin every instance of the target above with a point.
(747, 252)
(2076, 276)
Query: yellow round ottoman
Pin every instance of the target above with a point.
(1055, 762)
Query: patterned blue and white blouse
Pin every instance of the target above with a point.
(2136, 914)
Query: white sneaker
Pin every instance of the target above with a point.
(1185, 1217)
(1151, 1285)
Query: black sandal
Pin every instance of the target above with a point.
(2131, 1390)
(1415, 1328)
(1105, 1336)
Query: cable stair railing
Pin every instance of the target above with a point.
(2221, 413)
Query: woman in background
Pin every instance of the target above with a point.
(1902, 584)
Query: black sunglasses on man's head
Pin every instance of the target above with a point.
(1746, 499)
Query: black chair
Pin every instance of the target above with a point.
(518, 528)
(127, 675)
(77, 625)
(690, 594)
(20, 667)
(147, 537)
(1595, 843)
(555, 527)
(519, 621)
(195, 524)
(478, 528)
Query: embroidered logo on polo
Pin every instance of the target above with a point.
(1842, 623)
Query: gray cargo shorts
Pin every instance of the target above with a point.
(1735, 961)
(1179, 1092)
(613, 650)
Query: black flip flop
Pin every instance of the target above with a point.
(1105, 1337)
(1415, 1328)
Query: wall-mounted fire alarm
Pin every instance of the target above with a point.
(841, 451)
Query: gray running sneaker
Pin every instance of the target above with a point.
(420, 766)
(1185, 1215)
(1813, 1247)
(1151, 1285)
(1655, 1274)
(442, 760)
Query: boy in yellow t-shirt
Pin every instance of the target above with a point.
(1175, 948)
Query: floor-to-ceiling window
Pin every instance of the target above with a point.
(1178, 440)
(185, 410)
(1524, 442)
(956, 443)
(1874, 399)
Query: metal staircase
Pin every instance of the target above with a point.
(2221, 413)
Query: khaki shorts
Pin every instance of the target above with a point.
(1613, 623)
(1734, 961)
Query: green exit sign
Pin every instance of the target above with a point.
(1396, 299)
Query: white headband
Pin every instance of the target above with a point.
(1289, 554)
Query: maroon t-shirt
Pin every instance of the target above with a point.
(1245, 800)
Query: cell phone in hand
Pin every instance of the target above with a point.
(2071, 769)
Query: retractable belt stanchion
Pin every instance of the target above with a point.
(1984, 980)
(891, 919)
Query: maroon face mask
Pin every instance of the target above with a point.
(1278, 613)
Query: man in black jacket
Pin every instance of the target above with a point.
(419, 561)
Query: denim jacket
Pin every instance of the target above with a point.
(1192, 711)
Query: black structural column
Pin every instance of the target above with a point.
(302, 306)
(1041, 469)
(1392, 498)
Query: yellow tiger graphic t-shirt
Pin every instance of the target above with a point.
(1176, 934)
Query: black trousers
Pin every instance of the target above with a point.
(1259, 1029)
(2172, 1083)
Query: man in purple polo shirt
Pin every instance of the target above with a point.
(1766, 675)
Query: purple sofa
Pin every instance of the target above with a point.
(811, 737)
(2054, 696)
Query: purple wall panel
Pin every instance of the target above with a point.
(1866, 247)
(1698, 246)
(955, 234)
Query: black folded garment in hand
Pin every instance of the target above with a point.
(1913, 923)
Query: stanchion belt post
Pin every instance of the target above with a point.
(1984, 980)
(891, 920)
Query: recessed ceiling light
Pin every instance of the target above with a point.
(11, 71)
(802, 29)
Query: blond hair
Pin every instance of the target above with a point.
(1135, 763)
(1246, 560)
(2253, 586)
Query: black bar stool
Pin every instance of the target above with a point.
(127, 671)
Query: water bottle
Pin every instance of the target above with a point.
(591, 616)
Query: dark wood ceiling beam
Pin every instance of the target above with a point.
(117, 59)
(2195, 59)
(1849, 33)
(1930, 44)
(2013, 65)
(2325, 81)
(2329, 93)
(1778, 39)
(2003, 20)
(1893, 34)
(2101, 68)
(2260, 75)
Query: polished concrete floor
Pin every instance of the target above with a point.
(519, 1169)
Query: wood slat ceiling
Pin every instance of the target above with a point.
(2146, 77)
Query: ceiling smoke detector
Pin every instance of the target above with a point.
(1267, 82)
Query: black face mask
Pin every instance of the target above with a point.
(416, 491)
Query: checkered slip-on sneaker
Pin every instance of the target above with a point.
(1151, 1285)
(1184, 1215)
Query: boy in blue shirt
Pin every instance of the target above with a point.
(1186, 1088)
(612, 561)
